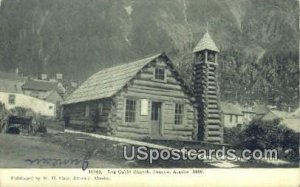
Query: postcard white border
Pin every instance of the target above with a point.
(209, 177)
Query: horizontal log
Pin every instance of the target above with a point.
(212, 106)
(174, 137)
(150, 76)
(211, 92)
(213, 116)
(214, 138)
(213, 121)
(172, 81)
(163, 97)
(214, 133)
(210, 101)
(211, 96)
(133, 125)
(103, 124)
(157, 90)
(213, 129)
(79, 123)
(190, 121)
(132, 130)
(149, 71)
(145, 76)
(183, 128)
(211, 88)
(78, 120)
(156, 84)
(213, 110)
(179, 133)
(212, 83)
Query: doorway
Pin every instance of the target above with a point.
(156, 119)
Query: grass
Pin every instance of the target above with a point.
(15, 149)
(100, 149)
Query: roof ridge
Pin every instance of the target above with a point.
(129, 62)
(43, 81)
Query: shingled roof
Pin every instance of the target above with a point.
(108, 82)
(206, 43)
(11, 76)
(261, 109)
(39, 85)
(10, 86)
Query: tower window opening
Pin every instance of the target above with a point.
(211, 57)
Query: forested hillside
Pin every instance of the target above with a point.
(258, 39)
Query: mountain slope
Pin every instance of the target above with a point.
(80, 37)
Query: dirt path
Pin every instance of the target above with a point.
(212, 162)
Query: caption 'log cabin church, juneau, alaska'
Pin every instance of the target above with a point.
(148, 99)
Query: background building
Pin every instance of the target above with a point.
(232, 115)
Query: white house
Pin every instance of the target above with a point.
(12, 100)
(232, 114)
(11, 96)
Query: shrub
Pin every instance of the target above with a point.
(270, 135)
(231, 136)
(21, 111)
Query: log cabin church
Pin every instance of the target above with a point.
(148, 99)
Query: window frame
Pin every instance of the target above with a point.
(130, 111)
(155, 74)
(179, 117)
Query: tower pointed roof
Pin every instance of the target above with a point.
(206, 42)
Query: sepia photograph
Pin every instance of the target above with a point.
(153, 88)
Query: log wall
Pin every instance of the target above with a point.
(84, 119)
(168, 92)
(206, 93)
(143, 86)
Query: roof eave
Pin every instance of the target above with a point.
(197, 50)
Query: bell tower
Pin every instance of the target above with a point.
(206, 92)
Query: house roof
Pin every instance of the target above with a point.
(109, 81)
(206, 42)
(10, 86)
(39, 85)
(231, 108)
(11, 76)
(261, 109)
(279, 113)
(274, 114)
(52, 96)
